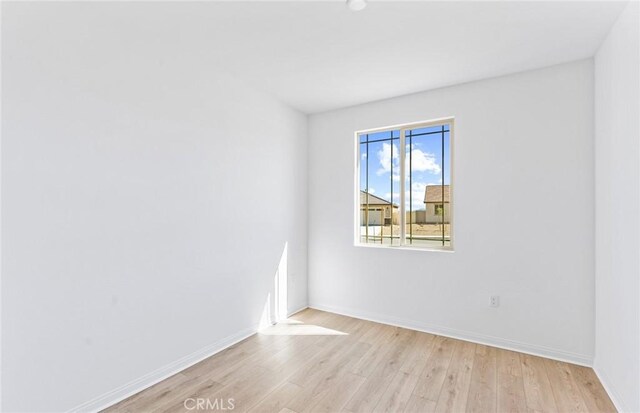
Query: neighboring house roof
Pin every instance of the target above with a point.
(373, 200)
(434, 194)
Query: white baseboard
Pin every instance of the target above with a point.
(499, 342)
(148, 380)
(294, 312)
(615, 398)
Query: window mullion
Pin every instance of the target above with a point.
(442, 179)
(403, 215)
(366, 215)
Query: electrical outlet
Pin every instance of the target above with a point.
(495, 301)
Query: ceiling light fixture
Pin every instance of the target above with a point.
(356, 5)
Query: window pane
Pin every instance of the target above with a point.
(427, 182)
(427, 179)
(379, 188)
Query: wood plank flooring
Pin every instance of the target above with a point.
(324, 362)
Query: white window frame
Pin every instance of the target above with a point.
(403, 216)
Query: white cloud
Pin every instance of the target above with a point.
(417, 196)
(372, 190)
(424, 161)
(384, 155)
(414, 198)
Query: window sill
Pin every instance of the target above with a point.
(406, 247)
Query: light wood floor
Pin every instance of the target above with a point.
(323, 362)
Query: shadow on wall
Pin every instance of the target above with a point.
(275, 306)
(274, 320)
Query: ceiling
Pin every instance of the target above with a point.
(319, 55)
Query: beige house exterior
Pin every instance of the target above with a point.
(437, 204)
(376, 211)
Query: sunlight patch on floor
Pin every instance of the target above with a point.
(296, 328)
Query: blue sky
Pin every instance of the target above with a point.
(384, 162)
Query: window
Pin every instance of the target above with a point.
(404, 197)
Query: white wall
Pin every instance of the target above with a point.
(617, 102)
(131, 174)
(524, 216)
